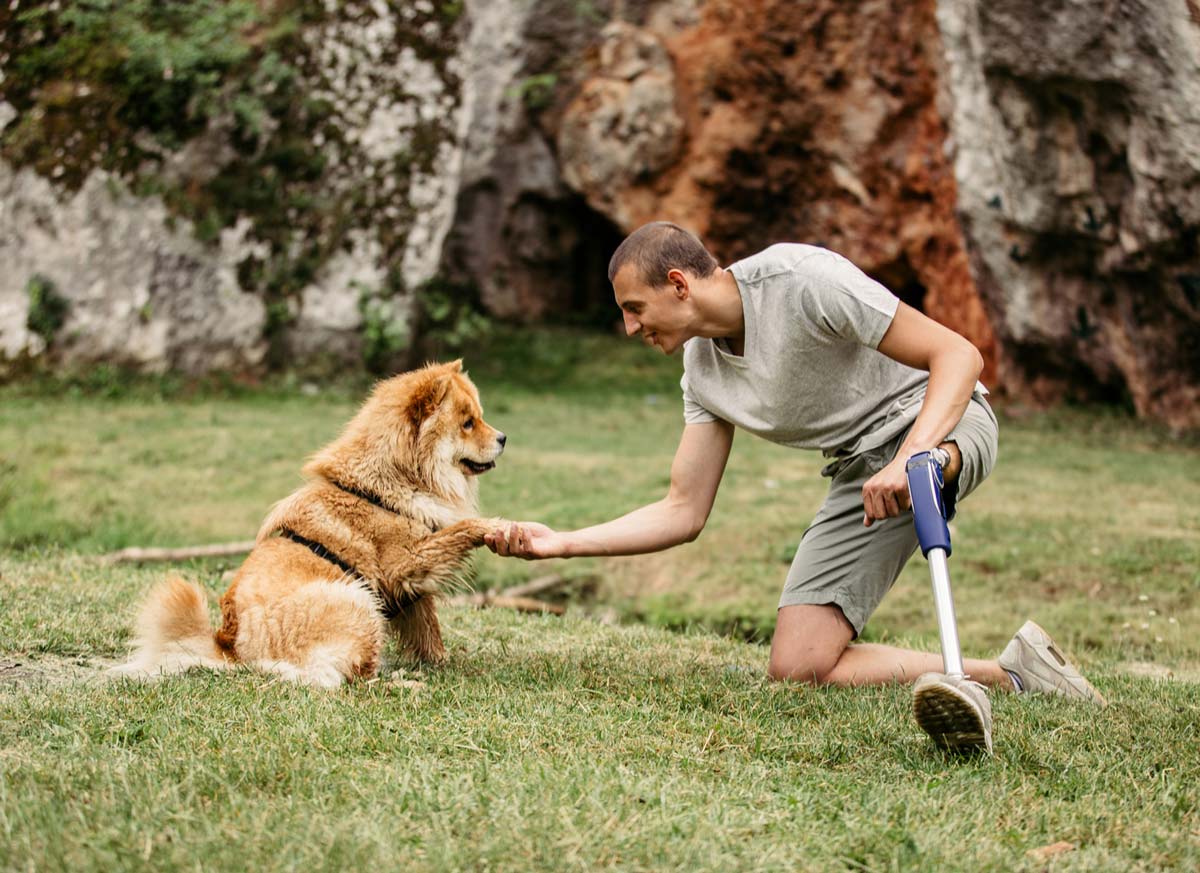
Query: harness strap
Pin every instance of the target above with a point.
(391, 604)
(320, 551)
(376, 501)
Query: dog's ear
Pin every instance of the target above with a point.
(427, 397)
(455, 366)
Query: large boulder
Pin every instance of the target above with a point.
(1077, 153)
(127, 285)
(759, 121)
(297, 224)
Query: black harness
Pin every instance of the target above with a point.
(320, 551)
(390, 603)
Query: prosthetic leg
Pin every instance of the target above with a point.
(952, 709)
(925, 484)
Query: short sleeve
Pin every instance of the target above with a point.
(693, 411)
(843, 302)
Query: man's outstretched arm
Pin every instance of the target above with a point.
(677, 518)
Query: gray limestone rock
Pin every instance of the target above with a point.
(1076, 129)
(139, 290)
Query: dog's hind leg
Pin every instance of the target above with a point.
(418, 632)
(324, 634)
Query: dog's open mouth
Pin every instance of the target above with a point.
(476, 468)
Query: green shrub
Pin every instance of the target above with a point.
(451, 316)
(158, 65)
(536, 91)
(384, 336)
(47, 309)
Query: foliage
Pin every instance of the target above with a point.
(47, 309)
(536, 91)
(385, 333)
(102, 70)
(451, 317)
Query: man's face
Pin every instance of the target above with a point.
(657, 314)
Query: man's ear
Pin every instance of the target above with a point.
(679, 284)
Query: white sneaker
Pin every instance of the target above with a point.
(1043, 668)
(954, 711)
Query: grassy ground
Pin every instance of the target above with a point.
(568, 743)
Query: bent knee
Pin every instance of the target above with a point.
(812, 671)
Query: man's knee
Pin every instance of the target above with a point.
(809, 641)
(811, 665)
(812, 668)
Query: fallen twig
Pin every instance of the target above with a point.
(506, 601)
(544, 584)
(217, 550)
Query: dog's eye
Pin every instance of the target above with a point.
(469, 424)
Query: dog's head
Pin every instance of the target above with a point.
(422, 429)
(445, 419)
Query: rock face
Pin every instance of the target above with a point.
(1077, 135)
(521, 234)
(323, 190)
(1025, 172)
(773, 120)
(134, 290)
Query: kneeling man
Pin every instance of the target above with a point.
(800, 347)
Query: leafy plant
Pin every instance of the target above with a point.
(535, 91)
(384, 334)
(156, 64)
(47, 309)
(451, 316)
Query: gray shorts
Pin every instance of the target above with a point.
(843, 563)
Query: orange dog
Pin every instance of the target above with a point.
(380, 529)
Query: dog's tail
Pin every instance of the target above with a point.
(173, 634)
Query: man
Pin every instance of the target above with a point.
(798, 346)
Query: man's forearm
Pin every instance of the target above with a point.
(651, 528)
(952, 378)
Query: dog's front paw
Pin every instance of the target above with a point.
(481, 527)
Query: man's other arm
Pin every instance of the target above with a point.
(954, 365)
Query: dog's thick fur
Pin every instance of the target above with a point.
(394, 499)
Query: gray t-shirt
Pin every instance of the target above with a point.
(811, 375)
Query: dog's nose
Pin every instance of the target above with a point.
(501, 438)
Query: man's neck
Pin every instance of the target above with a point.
(719, 306)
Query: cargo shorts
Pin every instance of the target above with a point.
(840, 562)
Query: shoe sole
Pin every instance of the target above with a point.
(952, 722)
(1039, 637)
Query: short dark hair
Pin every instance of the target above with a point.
(659, 247)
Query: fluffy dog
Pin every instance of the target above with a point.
(381, 527)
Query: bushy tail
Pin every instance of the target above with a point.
(173, 634)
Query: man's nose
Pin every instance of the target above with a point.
(632, 325)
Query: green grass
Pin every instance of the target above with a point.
(548, 743)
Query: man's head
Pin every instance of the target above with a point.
(652, 273)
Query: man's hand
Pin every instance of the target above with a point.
(886, 493)
(527, 539)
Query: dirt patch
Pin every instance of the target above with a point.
(50, 669)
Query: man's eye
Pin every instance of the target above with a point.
(468, 424)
